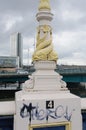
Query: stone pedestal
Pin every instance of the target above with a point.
(47, 109)
(46, 102)
(45, 78)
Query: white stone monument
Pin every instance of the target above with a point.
(45, 102)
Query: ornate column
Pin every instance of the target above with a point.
(44, 57)
(44, 46)
(45, 102)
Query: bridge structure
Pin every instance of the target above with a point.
(10, 83)
(73, 74)
(70, 74)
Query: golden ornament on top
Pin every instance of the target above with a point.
(44, 4)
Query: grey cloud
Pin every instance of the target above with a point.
(70, 6)
(19, 6)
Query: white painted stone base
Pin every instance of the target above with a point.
(46, 100)
(45, 78)
(40, 108)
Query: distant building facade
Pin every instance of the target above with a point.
(8, 64)
(16, 47)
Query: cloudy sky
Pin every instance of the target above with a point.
(69, 28)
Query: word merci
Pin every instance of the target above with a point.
(35, 113)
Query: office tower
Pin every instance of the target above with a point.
(16, 46)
